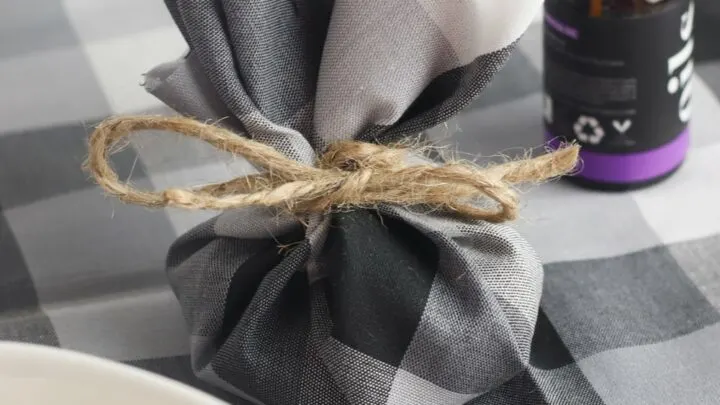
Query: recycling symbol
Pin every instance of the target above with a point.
(588, 130)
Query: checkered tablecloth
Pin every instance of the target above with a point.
(631, 301)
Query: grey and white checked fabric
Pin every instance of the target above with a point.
(631, 292)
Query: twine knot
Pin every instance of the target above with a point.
(353, 156)
(348, 174)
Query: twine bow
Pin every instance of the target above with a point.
(348, 174)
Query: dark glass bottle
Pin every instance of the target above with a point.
(618, 81)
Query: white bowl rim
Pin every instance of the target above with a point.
(55, 355)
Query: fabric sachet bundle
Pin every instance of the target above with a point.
(385, 304)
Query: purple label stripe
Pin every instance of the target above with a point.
(562, 27)
(630, 167)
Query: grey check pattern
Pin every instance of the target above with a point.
(628, 300)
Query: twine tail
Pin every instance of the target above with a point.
(541, 168)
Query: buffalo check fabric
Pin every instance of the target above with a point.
(631, 287)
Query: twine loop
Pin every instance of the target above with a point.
(348, 174)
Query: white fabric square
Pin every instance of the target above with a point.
(585, 225)
(685, 206)
(679, 371)
(120, 63)
(46, 88)
(409, 389)
(94, 20)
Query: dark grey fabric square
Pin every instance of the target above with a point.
(562, 386)
(16, 286)
(41, 163)
(635, 299)
(21, 319)
(179, 368)
(29, 327)
(701, 260)
(517, 79)
(33, 27)
(522, 389)
(707, 30)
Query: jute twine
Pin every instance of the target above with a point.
(349, 174)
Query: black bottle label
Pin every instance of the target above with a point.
(621, 87)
